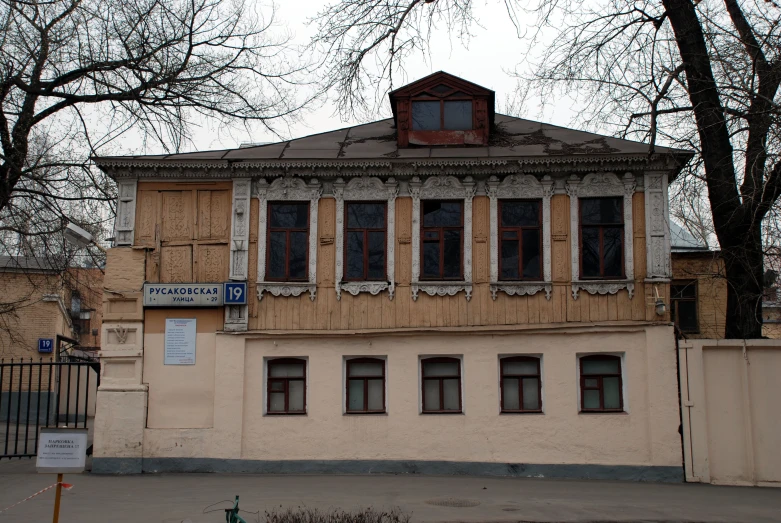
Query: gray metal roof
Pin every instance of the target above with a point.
(682, 240)
(26, 263)
(511, 137)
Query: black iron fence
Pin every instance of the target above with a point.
(35, 394)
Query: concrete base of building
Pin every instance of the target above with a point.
(434, 468)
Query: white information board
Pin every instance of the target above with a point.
(180, 341)
(62, 450)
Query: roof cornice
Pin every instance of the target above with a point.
(122, 168)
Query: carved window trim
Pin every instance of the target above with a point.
(236, 316)
(366, 188)
(596, 185)
(292, 190)
(520, 187)
(442, 188)
(125, 222)
(657, 227)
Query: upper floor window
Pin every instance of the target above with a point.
(288, 241)
(520, 240)
(442, 238)
(602, 238)
(365, 241)
(600, 384)
(442, 114)
(683, 305)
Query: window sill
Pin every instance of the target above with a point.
(285, 414)
(523, 412)
(602, 412)
(436, 412)
(441, 288)
(293, 288)
(383, 413)
(371, 287)
(521, 288)
(597, 286)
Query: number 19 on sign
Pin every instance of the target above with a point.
(235, 293)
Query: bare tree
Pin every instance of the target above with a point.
(76, 76)
(699, 75)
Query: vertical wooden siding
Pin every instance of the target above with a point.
(373, 312)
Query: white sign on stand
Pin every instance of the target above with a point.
(180, 341)
(62, 450)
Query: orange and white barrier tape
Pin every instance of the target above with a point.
(66, 486)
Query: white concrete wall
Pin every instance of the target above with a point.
(233, 425)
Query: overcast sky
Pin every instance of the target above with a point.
(493, 51)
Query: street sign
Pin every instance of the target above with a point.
(62, 450)
(235, 293)
(182, 295)
(45, 345)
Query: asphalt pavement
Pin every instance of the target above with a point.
(175, 498)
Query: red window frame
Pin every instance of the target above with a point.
(519, 238)
(520, 378)
(366, 231)
(287, 231)
(441, 380)
(286, 380)
(441, 240)
(349, 377)
(602, 228)
(600, 386)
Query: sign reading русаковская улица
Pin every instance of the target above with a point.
(183, 294)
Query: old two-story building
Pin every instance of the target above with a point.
(448, 290)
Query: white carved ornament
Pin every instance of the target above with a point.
(366, 189)
(517, 187)
(596, 185)
(657, 227)
(287, 189)
(124, 224)
(442, 188)
(236, 316)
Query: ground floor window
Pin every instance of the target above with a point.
(365, 386)
(521, 384)
(286, 386)
(441, 379)
(600, 384)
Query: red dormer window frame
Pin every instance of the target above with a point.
(424, 90)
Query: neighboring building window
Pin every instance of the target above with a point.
(286, 386)
(683, 305)
(365, 241)
(600, 384)
(521, 384)
(443, 114)
(520, 240)
(288, 241)
(441, 385)
(365, 385)
(442, 236)
(602, 237)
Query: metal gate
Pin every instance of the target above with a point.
(35, 394)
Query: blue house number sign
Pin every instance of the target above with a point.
(45, 345)
(235, 293)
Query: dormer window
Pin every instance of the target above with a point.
(453, 113)
(442, 109)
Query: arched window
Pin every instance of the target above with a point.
(601, 384)
(286, 390)
(441, 378)
(521, 384)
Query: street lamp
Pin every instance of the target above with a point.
(79, 237)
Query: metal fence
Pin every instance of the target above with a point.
(35, 394)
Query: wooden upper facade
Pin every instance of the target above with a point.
(365, 228)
